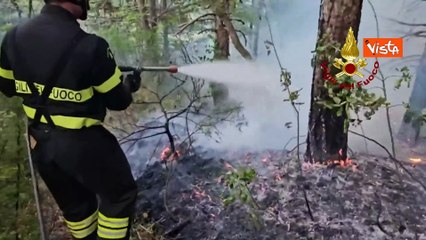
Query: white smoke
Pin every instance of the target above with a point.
(294, 26)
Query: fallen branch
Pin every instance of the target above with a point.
(295, 147)
(379, 202)
(398, 162)
(305, 196)
(291, 139)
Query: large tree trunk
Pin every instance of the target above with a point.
(411, 124)
(326, 135)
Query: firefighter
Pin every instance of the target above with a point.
(68, 79)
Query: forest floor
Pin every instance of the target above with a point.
(369, 199)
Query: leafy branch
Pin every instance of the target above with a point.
(238, 181)
(293, 96)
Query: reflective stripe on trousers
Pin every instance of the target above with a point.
(107, 227)
(112, 228)
(84, 227)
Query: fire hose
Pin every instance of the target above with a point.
(135, 70)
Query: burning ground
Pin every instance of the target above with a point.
(367, 199)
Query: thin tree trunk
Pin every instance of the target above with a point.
(235, 39)
(30, 8)
(222, 41)
(166, 42)
(256, 27)
(326, 136)
(143, 11)
(411, 124)
(219, 91)
(153, 13)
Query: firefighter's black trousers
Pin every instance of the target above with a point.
(81, 167)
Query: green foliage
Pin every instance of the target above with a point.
(238, 181)
(293, 96)
(344, 101)
(416, 118)
(16, 202)
(405, 78)
(325, 50)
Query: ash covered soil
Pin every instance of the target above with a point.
(367, 200)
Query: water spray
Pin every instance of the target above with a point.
(170, 69)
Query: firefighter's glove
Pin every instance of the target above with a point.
(133, 81)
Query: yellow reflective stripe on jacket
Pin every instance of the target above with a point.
(58, 94)
(64, 121)
(111, 233)
(109, 84)
(113, 222)
(83, 223)
(84, 227)
(8, 74)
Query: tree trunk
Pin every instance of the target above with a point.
(143, 11)
(220, 91)
(234, 37)
(410, 127)
(326, 135)
(222, 41)
(256, 27)
(166, 42)
(153, 13)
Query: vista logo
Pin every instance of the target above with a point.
(383, 47)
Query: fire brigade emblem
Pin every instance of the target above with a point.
(350, 53)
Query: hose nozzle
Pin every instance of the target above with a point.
(170, 69)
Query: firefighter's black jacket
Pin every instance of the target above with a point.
(90, 84)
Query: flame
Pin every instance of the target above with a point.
(167, 155)
(278, 177)
(350, 50)
(265, 160)
(199, 194)
(228, 166)
(416, 160)
(341, 163)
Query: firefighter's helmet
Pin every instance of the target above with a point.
(84, 4)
